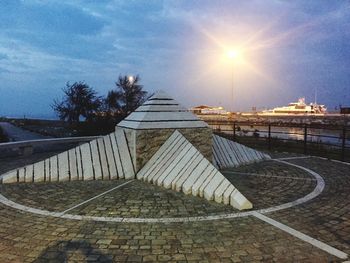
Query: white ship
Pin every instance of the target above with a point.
(299, 107)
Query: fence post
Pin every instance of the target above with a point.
(343, 145)
(305, 139)
(269, 138)
(234, 131)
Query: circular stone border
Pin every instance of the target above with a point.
(317, 191)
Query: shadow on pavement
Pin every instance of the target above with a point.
(63, 250)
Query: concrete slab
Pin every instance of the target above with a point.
(21, 175)
(220, 143)
(172, 169)
(168, 116)
(235, 152)
(231, 154)
(238, 150)
(180, 167)
(237, 200)
(10, 177)
(160, 108)
(250, 155)
(177, 184)
(219, 192)
(29, 173)
(116, 155)
(166, 161)
(110, 157)
(207, 182)
(79, 166)
(103, 159)
(39, 171)
(125, 156)
(47, 170)
(96, 160)
(208, 172)
(233, 158)
(182, 162)
(209, 190)
(161, 125)
(53, 169)
(88, 172)
(227, 194)
(193, 177)
(73, 165)
(216, 159)
(63, 166)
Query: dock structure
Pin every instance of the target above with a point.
(161, 143)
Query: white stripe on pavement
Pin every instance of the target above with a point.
(97, 196)
(272, 176)
(323, 246)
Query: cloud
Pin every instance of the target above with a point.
(174, 45)
(42, 17)
(55, 28)
(3, 56)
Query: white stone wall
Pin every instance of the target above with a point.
(101, 159)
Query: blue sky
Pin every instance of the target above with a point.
(290, 49)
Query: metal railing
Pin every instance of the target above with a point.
(316, 139)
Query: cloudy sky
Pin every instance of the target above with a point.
(287, 49)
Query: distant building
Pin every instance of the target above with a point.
(207, 110)
(344, 110)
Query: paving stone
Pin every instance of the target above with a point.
(25, 237)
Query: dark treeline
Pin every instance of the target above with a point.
(90, 114)
(3, 137)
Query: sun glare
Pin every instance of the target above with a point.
(233, 54)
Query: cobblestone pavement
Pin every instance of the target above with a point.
(56, 196)
(269, 183)
(326, 218)
(25, 237)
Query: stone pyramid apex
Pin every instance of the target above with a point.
(160, 94)
(161, 111)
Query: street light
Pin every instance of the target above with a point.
(131, 79)
(233, 55)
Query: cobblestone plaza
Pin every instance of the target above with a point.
(197, 230)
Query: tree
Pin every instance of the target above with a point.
(129, 95)
(112, 105)
(79, 100)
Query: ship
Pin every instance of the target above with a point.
(208, 110)
(299, 107)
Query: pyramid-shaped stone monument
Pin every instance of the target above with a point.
(162, 143)
(150, 125)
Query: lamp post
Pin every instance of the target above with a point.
(232, 55)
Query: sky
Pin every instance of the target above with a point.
(286, 50)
